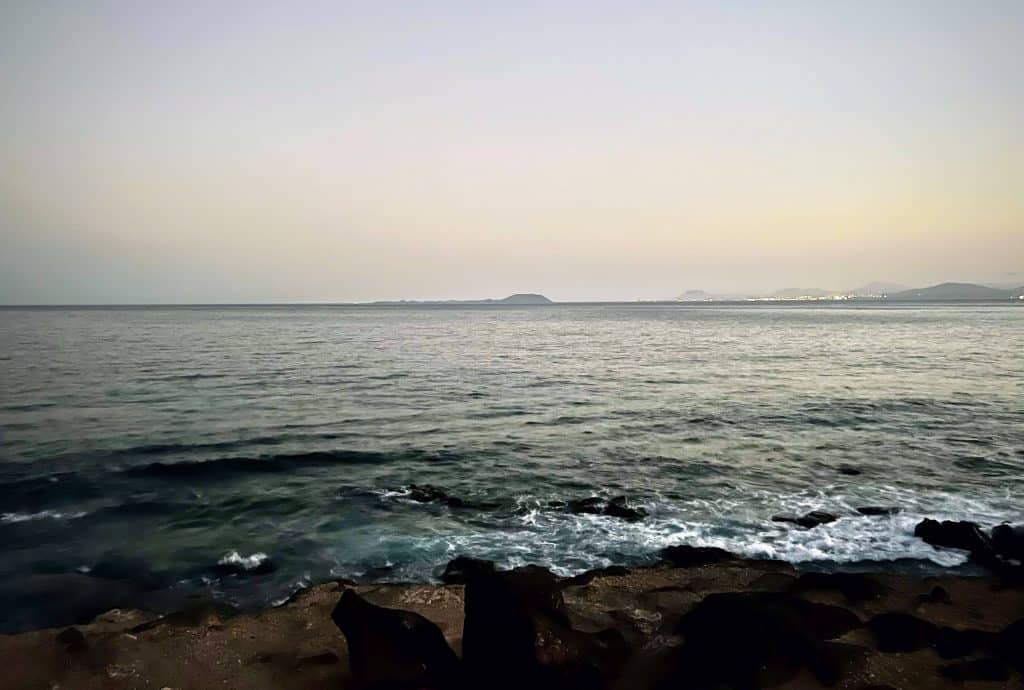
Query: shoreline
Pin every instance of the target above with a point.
(296, 644)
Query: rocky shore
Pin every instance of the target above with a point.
(701, 618)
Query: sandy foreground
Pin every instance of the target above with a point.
(296, 645)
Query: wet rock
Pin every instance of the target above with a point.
(684, 556)
(855, 587)
(1008, 541)
(761, 639)
(460, 569)
(811, 519)
(849, 470)
(878, 510)
(956, 535)
(593, 505)
(984, 669)
(620, 508)
(617, 507)
(901, 632)
(517, 634)
(591, 575)
(390, 648)
(428, 493)
(72, 640)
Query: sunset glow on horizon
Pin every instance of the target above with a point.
(179, 152)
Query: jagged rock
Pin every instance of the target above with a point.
(684, 556)
(517, 634)
(761, 639)
(984, 669)
(394, 649)
(811, 519)
(1008, 541)
(428, 493)
(854, 587)
(879, 510)
(956, 535)
(461, 568)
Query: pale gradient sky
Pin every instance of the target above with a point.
(333, 151)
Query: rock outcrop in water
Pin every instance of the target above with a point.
(618, 507)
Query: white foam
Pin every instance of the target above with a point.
(244, 562)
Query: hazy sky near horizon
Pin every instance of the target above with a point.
(247, 151)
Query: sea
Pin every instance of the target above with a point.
(249, 451)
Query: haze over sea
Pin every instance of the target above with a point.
(164, 440)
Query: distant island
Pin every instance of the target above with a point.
(518, 299)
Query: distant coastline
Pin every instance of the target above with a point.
(943, 293)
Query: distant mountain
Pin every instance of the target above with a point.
(801, 293)
(878, 289)
(523, 298)
(956, 291)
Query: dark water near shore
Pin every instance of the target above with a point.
(171, 438)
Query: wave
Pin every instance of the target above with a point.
(265, 464)
(41, 515)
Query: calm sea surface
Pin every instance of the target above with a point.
(170, 439)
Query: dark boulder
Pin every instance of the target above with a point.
(1010, 644)
(620, 508)
(901, 632)
(593, 505)
(517, 634)
(956, 535)
(1008, 541)
(951, 643)
(72, 640)
(684, 556)
(428, 493)
(849, 470)
(983, 669)
(461, 568)
(811, 519)
(879, 510)
(617, 507)
(761, 639)
(394, 649)
(855, 587)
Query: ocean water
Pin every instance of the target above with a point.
(280, 442)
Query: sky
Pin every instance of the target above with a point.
(183, 152)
